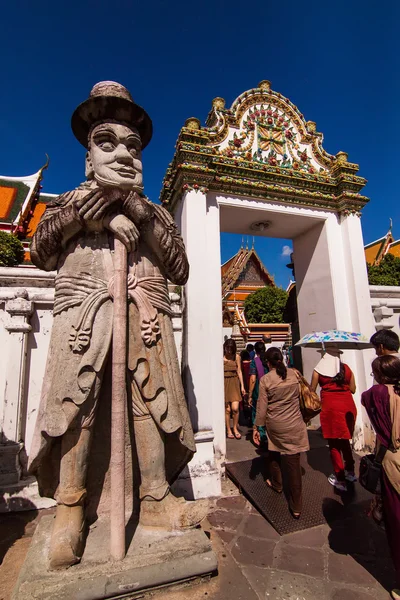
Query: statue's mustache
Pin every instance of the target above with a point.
(103, 181)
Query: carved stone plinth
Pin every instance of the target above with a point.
(10, 469)
(155, 558)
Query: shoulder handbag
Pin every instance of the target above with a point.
(370, 471)
(310, 403)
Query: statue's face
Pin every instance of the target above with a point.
(115, 156)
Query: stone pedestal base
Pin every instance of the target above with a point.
(155, 558)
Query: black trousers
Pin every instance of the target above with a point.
(291, 464)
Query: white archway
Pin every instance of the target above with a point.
(260, 161)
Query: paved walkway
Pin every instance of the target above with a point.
(348, 560)
(321, 563)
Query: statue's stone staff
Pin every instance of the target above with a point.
(118, 400)
(79, 235)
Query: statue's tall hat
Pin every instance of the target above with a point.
(110, 100)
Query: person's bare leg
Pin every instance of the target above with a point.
(235, 418)
(228, 420)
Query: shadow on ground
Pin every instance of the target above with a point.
(12, 527)
(356, 534)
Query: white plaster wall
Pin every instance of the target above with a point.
(4, 355)
(195, 358)
(38, 344)
(198, 220)
(314, 288)
(361, 318)
(332, 292)
(214, 347)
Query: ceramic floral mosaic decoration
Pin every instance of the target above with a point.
(264, 148)
(268, 136)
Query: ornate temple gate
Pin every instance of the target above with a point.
(259, 168)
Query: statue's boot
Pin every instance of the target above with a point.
(67, 539)
(172, 513)
(160, 508)
(68, 536)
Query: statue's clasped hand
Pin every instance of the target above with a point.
(124, 230)
(94, 205)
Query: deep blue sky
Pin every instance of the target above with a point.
(338, 61)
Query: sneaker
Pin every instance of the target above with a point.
(350, 476)
(339, 485)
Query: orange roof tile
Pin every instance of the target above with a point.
(7, 197)
(34, 221)
(375, 251)
(226, 266)
(394, 248)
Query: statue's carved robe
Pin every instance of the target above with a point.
(82, 328)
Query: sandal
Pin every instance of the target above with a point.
(238, 436)
(269, 484)
(230, 436)
(295, 515)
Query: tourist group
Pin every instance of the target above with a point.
(262, 385)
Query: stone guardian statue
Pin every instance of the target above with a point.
(76, 237)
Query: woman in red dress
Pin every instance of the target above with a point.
(338, 415)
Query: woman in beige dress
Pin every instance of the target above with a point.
(233, 387)
(278, 408)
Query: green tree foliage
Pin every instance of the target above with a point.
(11, 250)
(266, 305)
(386, 273)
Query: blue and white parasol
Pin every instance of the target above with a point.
(347, 340)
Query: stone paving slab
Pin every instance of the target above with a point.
(288, 586)
(248, 551)
(305, 561)
(256, 526)
(310, 538)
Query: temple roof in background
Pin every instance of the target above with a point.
(22, 204)
(377, 250)
(245, 268)
(16, 197)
